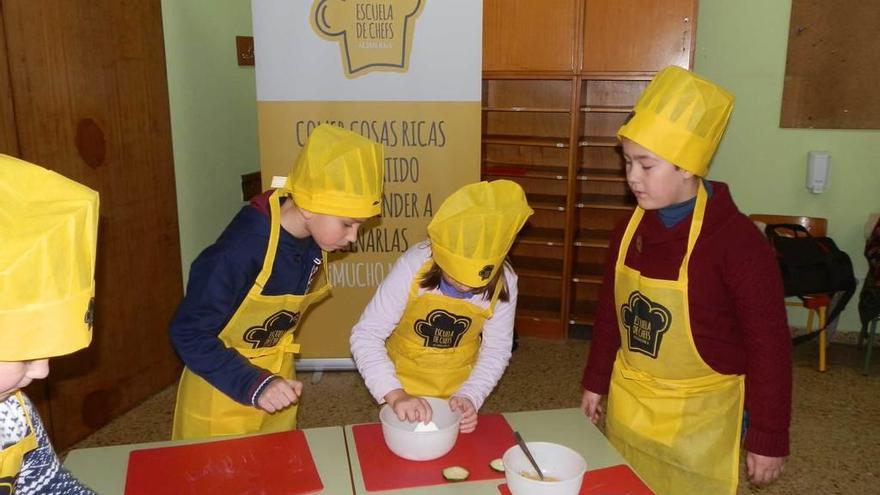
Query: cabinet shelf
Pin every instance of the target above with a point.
(542, 236)
(593, 238)
(530, 75)
(617, 76)
(546, 201)
(606, 109)
(546, 142)
(587, 273)
(538, 308)
(603, 141)
(530, 266)
(511, 169)
(605, 201)
(583, 313)
(601, 175)
(526, 109)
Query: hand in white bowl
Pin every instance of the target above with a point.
(408, 407)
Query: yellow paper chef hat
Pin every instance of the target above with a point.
(339, 173)
(474, 228)
(681, 118)
(49, 230)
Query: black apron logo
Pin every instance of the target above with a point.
(645, 322)
(441, 329)
(486, 272)
(272, 329)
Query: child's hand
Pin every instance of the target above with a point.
(590, 406)
(468, 413)
(408, 407)
(278, 394)
(762, 469)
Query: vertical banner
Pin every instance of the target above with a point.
(405, 73)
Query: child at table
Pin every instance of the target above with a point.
(47, 263)
(247, 292)
(441, 323)
(691, 325)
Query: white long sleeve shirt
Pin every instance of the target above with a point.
(386, 309)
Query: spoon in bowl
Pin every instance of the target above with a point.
(522, 445)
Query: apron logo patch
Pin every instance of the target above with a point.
(272, 329)
(441, 329)
(645, 322)
(486, 272)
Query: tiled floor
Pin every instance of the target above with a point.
(835, 430)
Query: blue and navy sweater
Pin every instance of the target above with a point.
(219, 280)
(41, 472)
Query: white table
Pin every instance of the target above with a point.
(104, 468)
(568, 427)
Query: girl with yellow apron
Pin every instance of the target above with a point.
(204, 411)
(674, 418)
(435, 345)
(12, 457)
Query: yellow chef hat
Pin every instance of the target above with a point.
(49, 229)
(339, 173)
(474, 228)
(680, 117)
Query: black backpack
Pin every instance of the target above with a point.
(812, 265)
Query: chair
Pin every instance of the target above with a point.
(815, 304)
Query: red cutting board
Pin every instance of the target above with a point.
(614, 479)
(276, 463)
(383, 470)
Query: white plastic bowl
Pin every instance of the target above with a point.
(556, 461)
(421, 445)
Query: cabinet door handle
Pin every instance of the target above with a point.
(684, 35)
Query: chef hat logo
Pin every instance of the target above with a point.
(372, 35)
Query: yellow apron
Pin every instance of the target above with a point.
(262, 331)
(674, 418)
(436, 343)
(12, 457)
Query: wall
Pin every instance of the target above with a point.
(213, 115)
(742, 46)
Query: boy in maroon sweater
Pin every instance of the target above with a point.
(691, 326)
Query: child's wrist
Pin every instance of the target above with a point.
(395, 395)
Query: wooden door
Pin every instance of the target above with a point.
(85, 94)
(525, 35)
(638, 35)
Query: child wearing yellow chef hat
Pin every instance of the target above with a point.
(49, 228)
(235, 327)
(441, 323)
(691, 325)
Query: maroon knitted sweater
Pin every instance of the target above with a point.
(737, 310)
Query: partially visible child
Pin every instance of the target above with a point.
(691, 325)
(235, 327)
(441, 323)
(49, 228)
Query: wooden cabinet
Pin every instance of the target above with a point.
(529, 35)
(552, 128)
(637, 35)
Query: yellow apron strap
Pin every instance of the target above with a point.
(495, 295)
(634, 221)
(274, 235)
(694, 233)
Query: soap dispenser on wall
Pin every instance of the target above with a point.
(818, 171)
